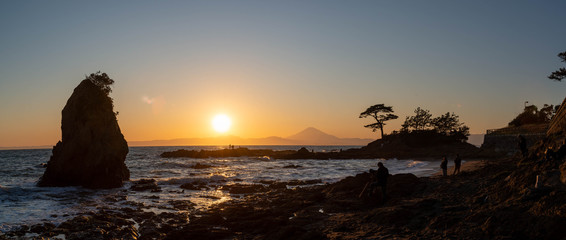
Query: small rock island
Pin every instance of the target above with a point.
(92, 150)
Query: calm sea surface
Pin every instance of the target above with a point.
(21, 202)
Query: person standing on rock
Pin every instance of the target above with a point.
(522, 145)
(457, 164)
(444, 166)
(381, 175)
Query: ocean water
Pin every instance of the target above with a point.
(21, 202)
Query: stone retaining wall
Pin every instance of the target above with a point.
(508, 143)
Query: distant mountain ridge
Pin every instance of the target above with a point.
(312, 134)
(309, 136)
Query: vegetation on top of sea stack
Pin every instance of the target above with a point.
(102, 80)
(421, 135)
(419, 122)
(448, 124)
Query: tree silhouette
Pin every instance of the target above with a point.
(446, 123)
(380, 113)
(561, 72)
(450, 125)
(532, 115)
(420, 121)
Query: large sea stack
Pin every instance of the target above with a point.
(92, 150)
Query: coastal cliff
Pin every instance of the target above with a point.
(92, 150)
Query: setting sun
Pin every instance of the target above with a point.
(221, 123)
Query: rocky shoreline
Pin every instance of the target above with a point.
(377, 149)
(496, 201)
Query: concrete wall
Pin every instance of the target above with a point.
(509, 143)
(505, 139)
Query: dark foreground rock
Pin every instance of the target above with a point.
(280, 213)
(92, 150)
(497, 201)
(145, 185)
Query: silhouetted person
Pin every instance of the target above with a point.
(457, 164)
(444, 166)
(561, 151)
(522, 145)
(381, 176)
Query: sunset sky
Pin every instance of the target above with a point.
(275, 68)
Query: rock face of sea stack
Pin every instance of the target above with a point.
(92, 150)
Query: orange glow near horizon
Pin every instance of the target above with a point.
(276, 69)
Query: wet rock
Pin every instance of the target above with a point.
(141, 216)
(244, 189)
(303, 182)
(111, 199)
(200, 232)
(92, 150)
(201, 166)
(292, 166)
(182, 204)
(135, 204)
(279, 185)
(189, 186)
(145, 184)
(128, 233)
(150, 231)
(274, 184)
(94, 234)
(19, 231)
(39, 228)
(197, 185)
(100, 225)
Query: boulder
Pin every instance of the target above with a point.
(399, 186)
(92, 150)
(145, 184)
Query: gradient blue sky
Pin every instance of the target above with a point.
(276, 68)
